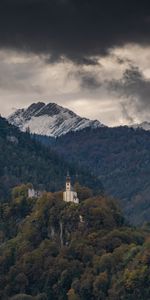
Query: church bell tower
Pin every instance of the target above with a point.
(68, 183)
(69, 195)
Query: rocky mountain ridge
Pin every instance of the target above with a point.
(50, 120)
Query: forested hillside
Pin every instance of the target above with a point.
(25, 160)
(120, 157)
(52, 250)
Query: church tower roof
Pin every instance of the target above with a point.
(68, 179)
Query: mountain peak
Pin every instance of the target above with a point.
(144, 125)
(50, 119)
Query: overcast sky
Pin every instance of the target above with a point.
(91, 56)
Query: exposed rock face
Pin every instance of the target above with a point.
(50, 119)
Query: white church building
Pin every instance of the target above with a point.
(69, 195)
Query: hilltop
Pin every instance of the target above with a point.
(54, 254)
(120, 158)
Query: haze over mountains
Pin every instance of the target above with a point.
(50, 119)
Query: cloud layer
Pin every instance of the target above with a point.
(91, 56)
(77, 29)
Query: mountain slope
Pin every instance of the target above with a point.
(51, 120)
(24, 160)
(120, 157)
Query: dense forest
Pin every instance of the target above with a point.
(120, 157)
(24, 160)
(52, 250)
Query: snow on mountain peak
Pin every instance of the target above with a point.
(50, 119)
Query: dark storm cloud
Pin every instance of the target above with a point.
(135, 88)
(89, 81)
(132, 90)
(76, 29)
(126, 113)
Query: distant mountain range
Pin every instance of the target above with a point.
(50, 120)
(54, 120)
(143, 125)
